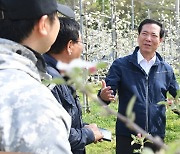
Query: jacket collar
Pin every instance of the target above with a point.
(133, 57)
(22, 58)
(50, 61)
(40, 64)
(14, 47)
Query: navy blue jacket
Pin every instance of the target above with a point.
(66, 95)
(128, 78)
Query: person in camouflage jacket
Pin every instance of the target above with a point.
(31, 119)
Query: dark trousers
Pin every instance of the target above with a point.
(123, 145)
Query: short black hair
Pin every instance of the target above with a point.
(151, 21)
(69, 30)
(18, 30)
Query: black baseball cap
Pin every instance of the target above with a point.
(31, 9)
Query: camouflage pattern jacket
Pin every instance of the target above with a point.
(31, 120)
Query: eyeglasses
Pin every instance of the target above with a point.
(81, 42)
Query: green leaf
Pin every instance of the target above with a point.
(137, 151)
(130, 106)
(54, 81)
(173, 148)
(162, 103)
(147, 151)
(132, 142)
(132, 116)
(148, 141)
(133, 136)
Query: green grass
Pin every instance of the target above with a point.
(172, 127)
(99, 116)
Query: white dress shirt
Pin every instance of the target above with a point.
(146, 65)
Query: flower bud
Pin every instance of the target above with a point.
(139, 135)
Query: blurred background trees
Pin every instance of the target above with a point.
(142, 8)
(109, 27)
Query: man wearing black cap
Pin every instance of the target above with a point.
(31, 120)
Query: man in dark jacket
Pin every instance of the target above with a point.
(145, 75)
(68, 46)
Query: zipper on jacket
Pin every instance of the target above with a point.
(147, 104)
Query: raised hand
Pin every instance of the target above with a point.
(106, 92)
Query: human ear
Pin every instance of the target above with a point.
(69, 47)
(43, 25)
